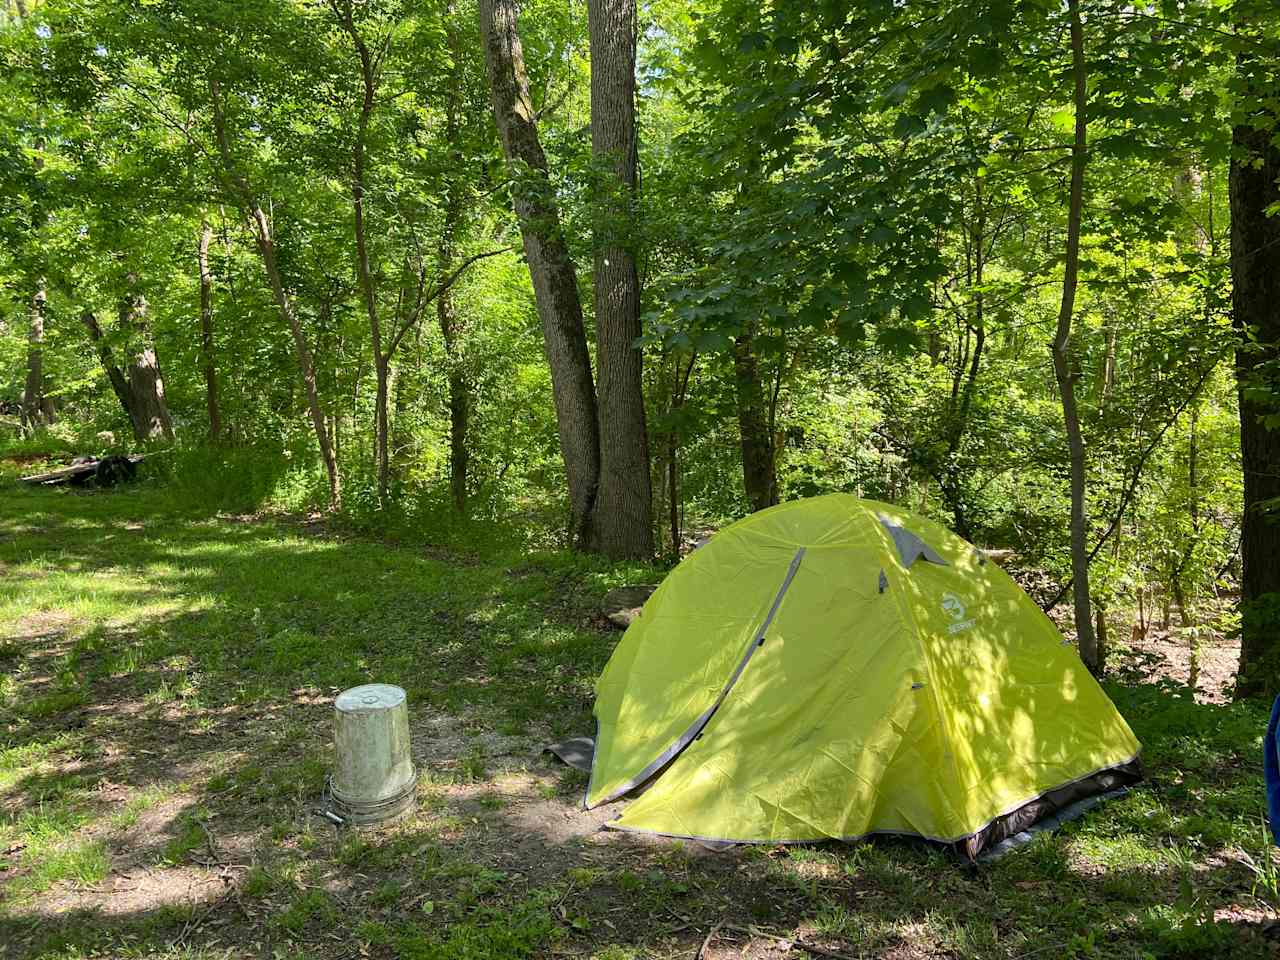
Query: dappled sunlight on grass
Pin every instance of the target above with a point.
(167, 731)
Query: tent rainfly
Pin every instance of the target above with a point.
(832, 668)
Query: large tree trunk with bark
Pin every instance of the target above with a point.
(149, 411)
(758, 466)
(36, 410)
(1062, 361)
(1255, 278)
(207, 365)
(140, 386)
(623, 526)
(265, 241)
(555, 284)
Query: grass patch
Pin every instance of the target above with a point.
(83, 864)
(158, 659)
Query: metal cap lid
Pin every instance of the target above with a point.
(369, 696)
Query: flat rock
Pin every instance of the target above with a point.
(622, 604)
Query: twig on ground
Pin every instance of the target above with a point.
(210, 842)
(702, 950)
(794, 941)
(197, 918)
(1032, 953)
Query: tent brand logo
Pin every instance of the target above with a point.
(954, 608)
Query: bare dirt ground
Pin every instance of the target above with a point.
(1168, 657)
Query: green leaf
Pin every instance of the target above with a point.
(1063, 119)
(901, 341)
(713, 341)
(936, 100)
(908, 125)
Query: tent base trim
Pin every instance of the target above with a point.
(970, 846)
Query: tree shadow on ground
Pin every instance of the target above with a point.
(177, 712)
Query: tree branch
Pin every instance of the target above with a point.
(1132, 486)
(440, 288)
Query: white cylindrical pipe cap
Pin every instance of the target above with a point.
(371, 743)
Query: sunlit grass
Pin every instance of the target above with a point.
(84, 864)
(141, 801)
(188, 665)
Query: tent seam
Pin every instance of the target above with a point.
(925, 660)
(678, 746)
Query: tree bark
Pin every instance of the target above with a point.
(1062, 365)
(624, 524)
(1255, 279)
(555, 283)
(119, 385)
(139, 387)
(207, 366)
(36, 411)
(446, 309)
(758, 475)
(149, 412)
(381, 357)
(265, 242)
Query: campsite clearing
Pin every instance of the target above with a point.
(165, 706)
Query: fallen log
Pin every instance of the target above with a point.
(106, 471)
(623, 604)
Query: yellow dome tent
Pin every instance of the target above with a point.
(836, 667)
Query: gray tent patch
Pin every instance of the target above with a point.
(910, 547)
(577, 752)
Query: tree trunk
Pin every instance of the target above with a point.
(150, 412)
(965, 379)
(265, 242)
(758, 476)
(679, 390)
(206, 334)
(459, 388)
(952, 482)
(1108, 378)
(306, 363)
(139, 388)
(446, 309)
(1101, 632)
(1255, 278)
(364, 273)
(119, 385)
(1062, 365)
(624, 523)
(555, 283)
(36, 411)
